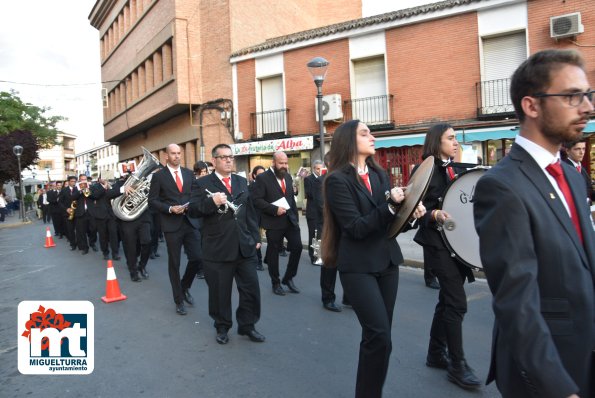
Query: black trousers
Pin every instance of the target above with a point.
(107, 230)
(328, 278)
(313, 225)
(58, 221)
(274, 245)
(220, 277)
(45, 211)
(447, 326)
(101, 225)
(155, 231)
(112, 234)
(373, 297)
(82, 225)
(429, 259)
(136, 236)
(69, 230)
(185, 236)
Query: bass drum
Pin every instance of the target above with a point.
(458, 232)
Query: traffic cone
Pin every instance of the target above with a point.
(49, 239)
(112, 288)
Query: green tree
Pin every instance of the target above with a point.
(17, 115)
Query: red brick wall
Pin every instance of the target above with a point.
(246, 74)
(539, 13)
(432, 69)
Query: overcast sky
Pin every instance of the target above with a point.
(50, 45)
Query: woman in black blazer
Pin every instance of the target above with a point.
(359, 207)
(445, 349)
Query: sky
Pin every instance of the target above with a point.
(49, 54)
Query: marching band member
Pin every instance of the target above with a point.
(357, 217)
(66, 201)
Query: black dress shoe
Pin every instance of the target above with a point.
(83, 252)
(283, 253)
(278, 290)
(253, 335)
(200, 275)
(433, 284)
(94, 247)
(106, 256)
(134, 277)
(188, 297)
(440, 361)
(259, 267)
(156, 254)
(180, 309)
(72, 248)
(116, 257)
(462, 375)
(291, 286)
(331, 307)
(222, 337)
(143, 272)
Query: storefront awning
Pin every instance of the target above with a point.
(487, 134)
(403, 140)
(590, 129)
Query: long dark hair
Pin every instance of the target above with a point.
(433, 140)
(342, 157)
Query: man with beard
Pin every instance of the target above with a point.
(273, 196)
(536, 238)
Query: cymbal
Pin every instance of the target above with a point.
(414, 192)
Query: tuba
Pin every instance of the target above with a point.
(130, 207)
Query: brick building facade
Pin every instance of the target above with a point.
(402, 71)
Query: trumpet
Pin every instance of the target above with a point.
(316, 246)
(85, 190)
(227, 206)
(73, 208)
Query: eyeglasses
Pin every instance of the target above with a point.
(574, 99)
(224, 157)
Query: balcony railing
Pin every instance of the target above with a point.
(376, 112)
(269, 124)
(493, 99)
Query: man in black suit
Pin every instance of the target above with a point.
(101, 211)
(536, 238)
(170, 192)
(54, 208)
(65, 199)
(313, 193)
(229, 240)
(576, 152)
(273, 186)
(83, 218)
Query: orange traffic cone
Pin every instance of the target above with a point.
(49, 239)
(112, 288)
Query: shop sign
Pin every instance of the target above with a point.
(270, 146)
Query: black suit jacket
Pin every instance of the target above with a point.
(586, 176)
(225, 235)
(542, 279)
(164, 193)
(66, 197)
(53, 201)
(101, 205)
(313, 192)
(363, 220)
(266, 191)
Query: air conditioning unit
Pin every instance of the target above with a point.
(567, 25)
(331, 107)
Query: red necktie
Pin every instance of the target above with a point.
(366, 178)
(178, 181)
(451, 172)
(556, 171)
(578, 167)
(227, 184)
(283, 185)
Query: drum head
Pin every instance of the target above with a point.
(418, 185)
(458, 232)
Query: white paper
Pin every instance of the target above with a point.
(282, 203)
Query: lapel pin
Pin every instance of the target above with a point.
(387, 195)
(552, 196)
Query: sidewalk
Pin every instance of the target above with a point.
(14, 220)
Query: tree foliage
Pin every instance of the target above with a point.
(17, 115)
(9, 169)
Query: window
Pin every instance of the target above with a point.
(271, 118)
(370, 103)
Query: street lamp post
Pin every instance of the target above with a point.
(87, 163)
(317, 67)
(47, 170)
(18, 151)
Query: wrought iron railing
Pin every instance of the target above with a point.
(268, 123)
(493, 99)
(376, 112)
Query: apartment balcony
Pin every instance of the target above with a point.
(269, 125)
(376, 112)
(493, 99)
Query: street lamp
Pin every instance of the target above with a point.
(18, 151)
(87, 163)
(47, 170)
(317, 67)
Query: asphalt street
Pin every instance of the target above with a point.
(144, 349)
